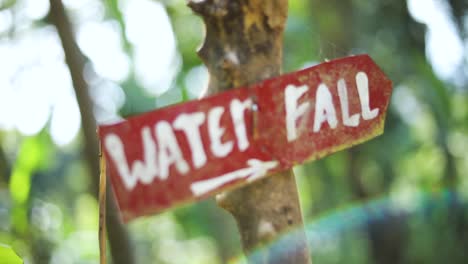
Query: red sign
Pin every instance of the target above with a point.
(189, 151)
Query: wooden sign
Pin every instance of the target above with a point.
(189, 151)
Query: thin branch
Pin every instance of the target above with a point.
(4, 168)
(118, 238)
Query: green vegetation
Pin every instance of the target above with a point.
(401, 198)
(8, 256)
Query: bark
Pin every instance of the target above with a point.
(118, 238)
(243, 45)
(4, 168)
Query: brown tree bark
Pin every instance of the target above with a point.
(119, 242)
(4, 168)
(243, 45)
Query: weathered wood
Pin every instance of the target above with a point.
(243, 45)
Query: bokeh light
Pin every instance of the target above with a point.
(141, 55)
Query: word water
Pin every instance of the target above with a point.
(189, 151)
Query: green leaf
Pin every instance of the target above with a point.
(28, 161)
(20, 185)
(8, 256)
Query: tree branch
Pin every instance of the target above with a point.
(4, 168)
(118, 238)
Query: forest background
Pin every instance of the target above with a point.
(401, 198)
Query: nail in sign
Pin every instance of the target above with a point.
(189, 151)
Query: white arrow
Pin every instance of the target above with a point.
(256, 169)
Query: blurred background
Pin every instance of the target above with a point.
(400, 198)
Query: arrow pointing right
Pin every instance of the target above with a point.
(256, 170)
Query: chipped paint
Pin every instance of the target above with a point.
(189, 151)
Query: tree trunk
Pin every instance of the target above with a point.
(243, 46)
(118, 238)
(4, 168)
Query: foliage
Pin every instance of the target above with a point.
(392, 200)
(8, 256)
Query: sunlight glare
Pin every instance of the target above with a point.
(6, 20)
(35, 84)
(65, 119)
(444, 46)
(196, 81)
(109, 98)
(6, 103)
(156, 58)
(406, 104)
(32, 107)
(65, 122)
(101, 42)
(36, 9)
